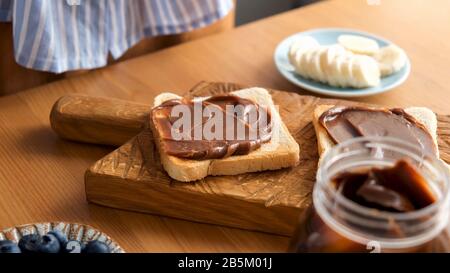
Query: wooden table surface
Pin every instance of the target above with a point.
(41, 176)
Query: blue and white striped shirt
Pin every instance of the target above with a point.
(62, 35)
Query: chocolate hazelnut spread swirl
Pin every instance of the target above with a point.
(238, 126)
(344, 123)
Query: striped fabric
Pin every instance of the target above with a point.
(62, 35)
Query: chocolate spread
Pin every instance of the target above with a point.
(396, 189)
(200, 147)
(344, 123)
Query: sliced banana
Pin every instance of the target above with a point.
(324, 65)
(308, 64)
(327, 62)
(346, 71)
(332, 75)
(365, 71)
(336, 70)
(302, 66)
(359, 44)
(311, 64)
(390, 59)
(299, 46)
(299, 64)
(321, 63)
(337, 66)
(318, 64)
(326, 57)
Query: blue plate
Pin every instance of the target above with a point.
(328, 36)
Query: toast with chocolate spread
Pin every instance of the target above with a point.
(191, 160)
(414, 124)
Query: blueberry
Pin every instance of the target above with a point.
(49, 244)
(62, 238)
(96, 247)
(8, 246)
(30, 243)
(6, 242)
(72, 246)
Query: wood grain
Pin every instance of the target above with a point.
(132, 177)
(97, 120)
(41, 176)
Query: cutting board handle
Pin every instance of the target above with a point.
(97, 120)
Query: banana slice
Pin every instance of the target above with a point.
(346, 68)
(323, 60)
(337, 70)
(321, 75)
(327, 58)
(390, 59)
(365, 72)
(299, 46)
(299, 64)
(302, 66)
(322, 63)
(311, 60)
(327, 55)
(333, 73)
(359, 44)
(309, 64)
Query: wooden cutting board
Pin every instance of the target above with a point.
(132, 177)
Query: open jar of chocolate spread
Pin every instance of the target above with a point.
(377, 194)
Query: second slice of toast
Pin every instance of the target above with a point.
(280, 152)
(423, 115)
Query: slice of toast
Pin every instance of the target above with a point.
(423, 115)
(281, 151)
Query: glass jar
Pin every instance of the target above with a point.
(336, 224)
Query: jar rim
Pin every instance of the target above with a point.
(443, 171)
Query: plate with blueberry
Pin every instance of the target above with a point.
(58, 237)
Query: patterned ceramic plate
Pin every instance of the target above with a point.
(79, 232)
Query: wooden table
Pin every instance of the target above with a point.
(41, 176)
